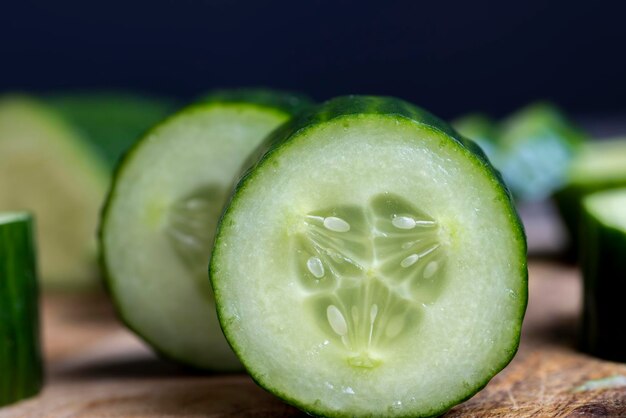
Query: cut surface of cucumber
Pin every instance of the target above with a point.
(608, 207)
(21, 372)
(160, 219)
(371, 263)
(45, 168)
(603, 258)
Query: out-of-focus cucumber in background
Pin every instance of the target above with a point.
(537, 84)
(57, 153)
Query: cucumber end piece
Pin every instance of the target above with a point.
(20, 349)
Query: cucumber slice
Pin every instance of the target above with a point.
(600, 165)
(111, 121)
(538, 144)
(21, 372)
(349, 268)
(604, 271)
(482, 130)
(47, 169)
(164, 204)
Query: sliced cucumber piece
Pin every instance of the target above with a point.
(538, 144)
(47, 169)
(111, 121)
(371, 263)
(160, 218)
(600, 165)
(21, 372)
(604, 271)
(482, 130)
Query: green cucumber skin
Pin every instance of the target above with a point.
(569, 203)
(482, 130)
(345, 107)
(355, 105)
(270, 100)
(110, 122)
(603, 259)
(21, 368)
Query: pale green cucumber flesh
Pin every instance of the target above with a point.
(46, 168)
(603, 259)
(609, 207)
(159, 222)
(21, 371)
(370, 265)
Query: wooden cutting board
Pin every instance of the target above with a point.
(98, 369)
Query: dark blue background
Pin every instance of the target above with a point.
(447, 56)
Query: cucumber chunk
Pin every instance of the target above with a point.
(46, 168)
(604, 270)
(21, 371)
(160, 218)
(350, 269)
(537, 145)
(600, 165)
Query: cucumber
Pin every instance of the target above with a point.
(600, 165)
(160, 217)
(110, 121)
(21, 371)
(371, 263)
(483, 131)
(46, 168)
(537, 145)
(604, 270)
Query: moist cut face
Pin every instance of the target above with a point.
(370, 265)
(368, 272)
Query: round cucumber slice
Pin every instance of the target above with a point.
(160, 218)
(46, 168)
(21, 371)
(603, 259)
(371, 263)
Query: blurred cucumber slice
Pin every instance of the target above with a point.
(160, 218)
(46, 168)
(604, 271)
(537, 145)
(111, 121)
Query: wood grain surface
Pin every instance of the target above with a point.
(98, 369)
